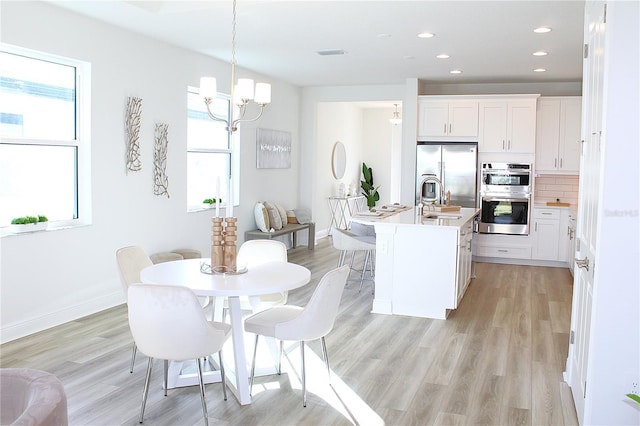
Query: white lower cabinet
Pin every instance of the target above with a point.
(503, 246)
(464, 259)
(546, 228)
(552, 234)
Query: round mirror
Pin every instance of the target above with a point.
(338, 160)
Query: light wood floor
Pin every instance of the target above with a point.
(497, 360)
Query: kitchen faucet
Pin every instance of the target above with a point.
(432, 178)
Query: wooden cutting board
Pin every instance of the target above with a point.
(557, 204)
(441, 208)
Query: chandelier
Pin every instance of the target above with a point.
(242, 92)
(395, 120)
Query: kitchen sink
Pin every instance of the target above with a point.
(442, 216)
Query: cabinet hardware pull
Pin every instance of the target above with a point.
(503, 144)
(450, 128)
(555, 162)
(546, 213)
(503, 251)
(509, 144)
(445, 128)
(561, 163)
(583, 263)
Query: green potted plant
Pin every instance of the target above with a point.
(211, 201)
(29, 223)
(368, 190)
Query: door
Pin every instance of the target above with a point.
(463, 118)
(521, 127)
(587, 208)
(433, 118)
(459, 173)
(493, 126)
(569, 149)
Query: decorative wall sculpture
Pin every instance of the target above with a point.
(273, 149)
(160, 179)
(132, 128)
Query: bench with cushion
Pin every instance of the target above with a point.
(289, 228)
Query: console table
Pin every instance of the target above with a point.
(342, 208)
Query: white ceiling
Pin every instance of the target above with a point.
(490, 41)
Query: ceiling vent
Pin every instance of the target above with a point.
(331, 52)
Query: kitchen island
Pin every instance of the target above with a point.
(423, 263)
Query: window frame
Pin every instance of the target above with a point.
(232, 150)
(82, 141)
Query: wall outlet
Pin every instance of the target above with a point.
(634, 388)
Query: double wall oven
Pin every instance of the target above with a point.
(505, 194)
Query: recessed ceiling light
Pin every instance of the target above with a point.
(443, 56)
(384, 35)
(426, 35)
(455, 72)
(542, 30)
(407, 57)
(540, 70)
(540, 53)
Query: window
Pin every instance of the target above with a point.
(44, 150)
(210, 151)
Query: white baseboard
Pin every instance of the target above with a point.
(33, 325)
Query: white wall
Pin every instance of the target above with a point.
(311, 170)
(367, 136)
(52, 277)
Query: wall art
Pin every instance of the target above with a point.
(273, 149)
(160, 179)
(133, 117)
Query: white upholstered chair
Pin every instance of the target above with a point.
(348, 241)
(312, 322)
(167, 322)
(131, 261)
(31, 397)
(256, 252)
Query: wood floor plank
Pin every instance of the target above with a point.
(497, 359)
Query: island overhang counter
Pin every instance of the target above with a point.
(423, 262)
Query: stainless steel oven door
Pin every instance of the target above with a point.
(505, 181)
(505, 214)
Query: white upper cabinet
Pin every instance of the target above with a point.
(447, 119)
(507, 125)
(558, 135)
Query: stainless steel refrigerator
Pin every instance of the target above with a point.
(455, 165)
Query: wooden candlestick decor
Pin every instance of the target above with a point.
(223, 244)
(217, 256)
(230, 239)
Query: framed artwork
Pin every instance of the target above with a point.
(273, 149)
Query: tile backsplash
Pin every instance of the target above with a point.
(551, 187)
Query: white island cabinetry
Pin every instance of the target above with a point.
(423, 265)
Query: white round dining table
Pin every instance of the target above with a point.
(271, 277)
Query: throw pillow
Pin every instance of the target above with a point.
(303, 215)
(262, 217)
(283, 214)
(274, 217)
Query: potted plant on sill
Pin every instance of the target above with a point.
(29, 223)
(368, 190)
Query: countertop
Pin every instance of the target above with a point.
(409, 217)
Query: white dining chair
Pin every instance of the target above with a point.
(167, 322)
(312, 322)
(131, 261)
(347, 241)
(253, 253)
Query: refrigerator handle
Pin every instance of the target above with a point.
(442, 176)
